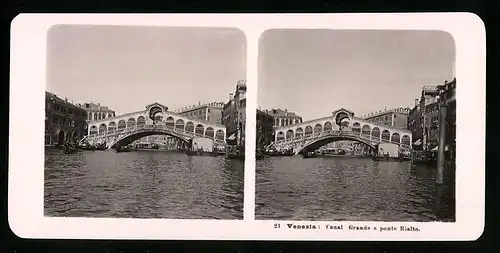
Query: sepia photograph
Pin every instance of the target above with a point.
(145, 122)
(356, 125)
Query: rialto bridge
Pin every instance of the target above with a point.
(155, 120)
(341, 125)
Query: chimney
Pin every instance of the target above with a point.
(199, 102)
(230, 96)
(416, 101)
(66, 99)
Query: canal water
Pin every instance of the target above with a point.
(354, 189)
(142, 184)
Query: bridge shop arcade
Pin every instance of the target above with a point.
(155, 120)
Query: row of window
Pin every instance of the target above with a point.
(99, 115)
(65, 109)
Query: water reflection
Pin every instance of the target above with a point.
(142, 184)
(355, 189)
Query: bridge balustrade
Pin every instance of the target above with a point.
(339, 133)
(151, 127)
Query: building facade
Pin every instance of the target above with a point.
(264, 129)
(423, 120)
(415, 125)
(447, 98)
(396, 117)
(64, 121)
(97, 111)
(234, 116)
(284, 117)
(211, 112)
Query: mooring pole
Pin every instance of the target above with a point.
(442, 142)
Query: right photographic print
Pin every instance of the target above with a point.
(356, 125)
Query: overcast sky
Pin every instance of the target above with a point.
(313, 72)
(126, 68)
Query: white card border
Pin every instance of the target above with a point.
(27, 86)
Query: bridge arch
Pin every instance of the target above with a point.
(328, 126)
(318, 128)
(405, 140)
(199, 129)
(219, 135)
(141, 121)
(209, 132)
(299, 132)
(366, 130)
(356, 127)
(170, 121)
(127, 139)
(309, 130)
(289, 134)
(386, 135)
(395, 138)
(130, 122)
(190, 127)
(317, 143)
(93, 130)
(280, 136)
(376, 133)
(103, 128)
(179, 124)
(122, 124)
(112, 126)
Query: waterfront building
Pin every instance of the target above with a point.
(447, 97)
(424, 118)
(284, 117)
(96, 111)
(64, 121)
(234, 115)
(211, 112)
(264, 129)
(395, 117)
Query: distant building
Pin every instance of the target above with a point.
(284, 117)
(211, 112)
(415, 125)
(97, 111)
(396, 117)
(264, 129)
(64, 121)
(234, 116)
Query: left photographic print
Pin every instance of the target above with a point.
(144, 122)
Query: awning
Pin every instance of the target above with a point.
(418, 142)
(232, 137)
(436, 148)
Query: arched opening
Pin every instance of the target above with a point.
(395, 138)
(179, 124)
(60, 140)
(318, 128)
(103, 128)
(309, 130)
(405, 140)
(93, 130)
(209, 132)
(289, 134)
(131, 122)
(190, 127)
(376, 134)
(386, 135)
(112, 126)
(357, 142)
(141, 121)
(110, 115)
(356, 127)
(366, 130)
(199, 129)
(170, 122)
(299, 132)
(280, 136)
(122, 124)
(219, 135)
(128, 139)
(328, 126)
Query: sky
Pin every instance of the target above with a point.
(314, 72)
(129, 67)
